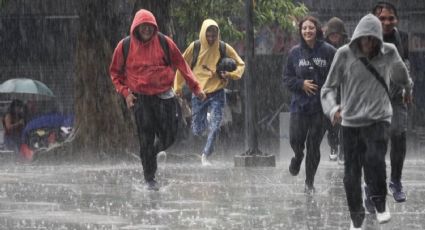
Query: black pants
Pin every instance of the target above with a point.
(397, 155)
(365, 147)
(333, 135)
(398, 140)
(157, 122)
(307, 130)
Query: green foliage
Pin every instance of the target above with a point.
(3, 3)
(283, 12)
(229, 14)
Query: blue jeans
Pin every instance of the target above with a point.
(215, 103)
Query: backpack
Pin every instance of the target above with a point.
(197, 48)
(162, 40)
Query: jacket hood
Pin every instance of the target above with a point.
(143, 16)
(335, 25)
(369, 25)
(202, 34)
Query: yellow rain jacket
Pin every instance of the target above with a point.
(209, 56)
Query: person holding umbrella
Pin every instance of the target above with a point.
(14, 121)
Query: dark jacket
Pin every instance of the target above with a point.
(401, 41)
(298, 68)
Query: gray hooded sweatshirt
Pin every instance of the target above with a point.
(364, 100)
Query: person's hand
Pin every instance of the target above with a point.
(21, 122)
(201, 95)
(225, 75)
(337, 118)
(179, 94)
(408, 99)
(310, 88)
(130, 100)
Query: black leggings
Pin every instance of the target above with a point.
(307, 130)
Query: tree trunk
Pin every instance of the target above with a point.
(104, 127)
(250, 104)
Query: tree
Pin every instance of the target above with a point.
(103, 125)
(189, 15)
(3, 2)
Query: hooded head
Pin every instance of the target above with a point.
(144, 25)
(209, 27)
(308, 33)
(335, 32)
(335, 25)
(368, 27)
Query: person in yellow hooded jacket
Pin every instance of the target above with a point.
(204, 67)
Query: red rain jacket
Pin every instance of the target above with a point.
(146, 71)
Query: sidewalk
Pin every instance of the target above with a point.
(191, 197)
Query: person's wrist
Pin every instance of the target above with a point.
(126, 92)
(198, 91)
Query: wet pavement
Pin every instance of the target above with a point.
(77, 197)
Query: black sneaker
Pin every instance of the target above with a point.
(152, 185)
(294, 167)
(397, 190)
(309, 189)
(368, 202)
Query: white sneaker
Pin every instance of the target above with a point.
(383, 217)
(205, 161)
(333, 156)
(161, 156)
(354, 228)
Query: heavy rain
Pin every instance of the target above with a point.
(212, 114)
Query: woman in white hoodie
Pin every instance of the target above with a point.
(364, 112)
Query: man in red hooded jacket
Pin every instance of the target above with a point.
(145, 79)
